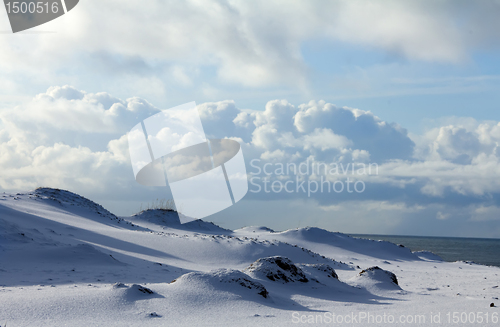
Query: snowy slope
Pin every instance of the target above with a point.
(160, 219)
(65, 260)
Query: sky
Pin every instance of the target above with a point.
(411, 88)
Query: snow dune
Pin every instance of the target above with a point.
(65, 260)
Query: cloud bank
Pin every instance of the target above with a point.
(71, 139)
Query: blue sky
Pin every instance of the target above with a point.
(424, 75)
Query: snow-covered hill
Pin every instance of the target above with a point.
(161, 219)
(65, 260)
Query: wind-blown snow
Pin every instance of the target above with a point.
(65, 260)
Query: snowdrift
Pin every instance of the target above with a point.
(229, 280)
(61, 250)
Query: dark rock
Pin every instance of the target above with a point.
(375, 269)
(277, 269)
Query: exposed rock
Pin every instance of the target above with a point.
(277, 269)
(379, 274)
(141, 289)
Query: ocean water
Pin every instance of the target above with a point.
(485, 251)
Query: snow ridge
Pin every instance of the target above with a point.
(67, 200)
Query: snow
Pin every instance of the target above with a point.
(427, 255)
(65, 260)
(376, 278)
(229, 280)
